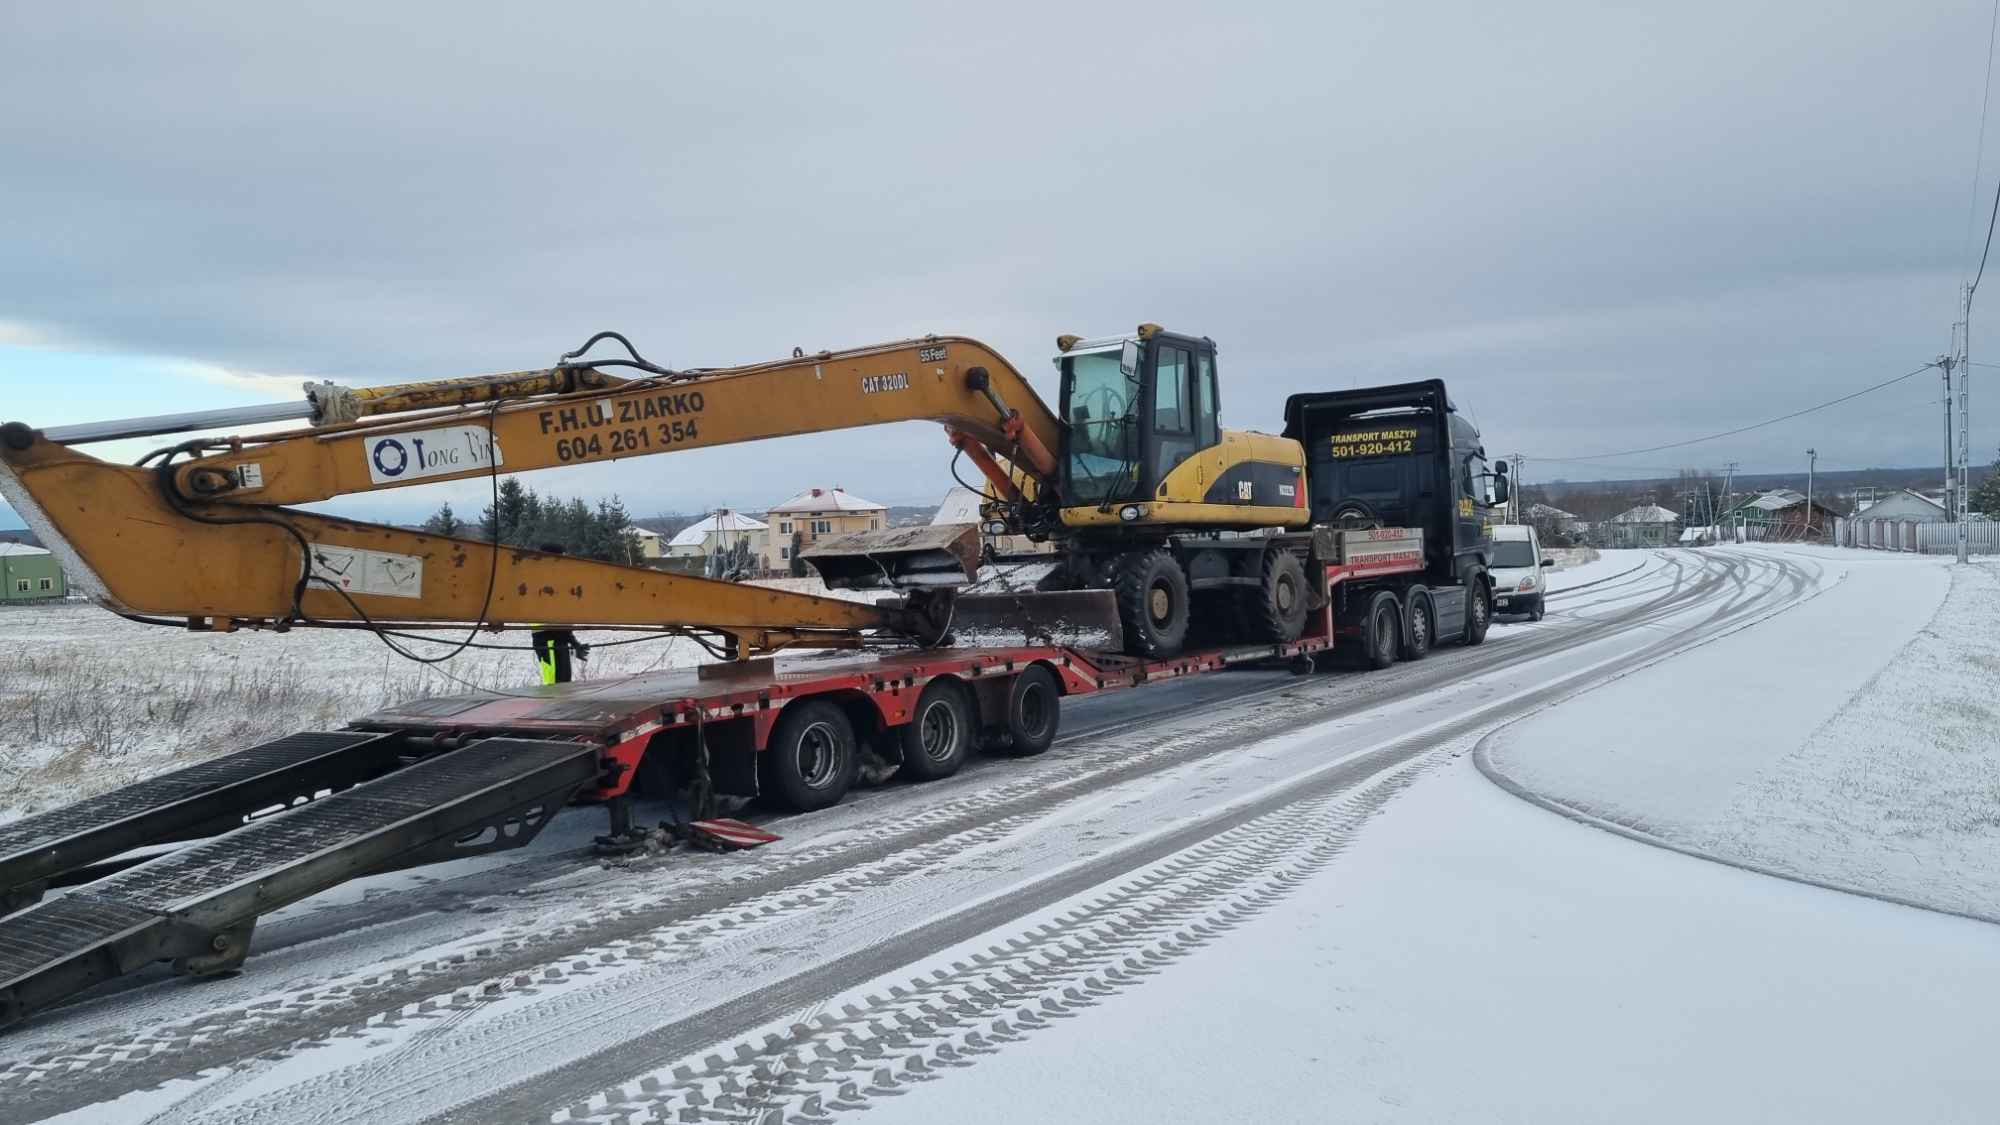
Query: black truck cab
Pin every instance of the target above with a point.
(1400, 456)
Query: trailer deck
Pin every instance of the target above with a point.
(450, 776)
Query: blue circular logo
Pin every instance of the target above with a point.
(387, 445)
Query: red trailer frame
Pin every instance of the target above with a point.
(622, 716)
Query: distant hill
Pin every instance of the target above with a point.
(19, 535)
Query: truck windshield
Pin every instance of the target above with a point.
(1103, 435)
(1512, 552)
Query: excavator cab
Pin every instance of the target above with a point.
(1143, 442)
(1136, 408)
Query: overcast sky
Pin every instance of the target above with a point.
(1605, 229)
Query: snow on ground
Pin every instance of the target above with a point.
(1899, 791)
(1471, 957)
(90, 701)
(1853, 740)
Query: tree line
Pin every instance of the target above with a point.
(524, 518)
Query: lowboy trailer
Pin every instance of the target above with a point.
(455, 776)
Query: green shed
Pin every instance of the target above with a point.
(29, 574)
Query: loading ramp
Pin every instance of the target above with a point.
(197, 906)
(36, 852)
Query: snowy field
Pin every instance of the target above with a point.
(1856, 740)
(90, 701)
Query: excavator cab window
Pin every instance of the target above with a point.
(1100, 393)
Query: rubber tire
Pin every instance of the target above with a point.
(783, 779)
(951, 696)
(1478, 607)
(1420, 625)
(1263, 615)
(1541, 609)
(1382, 631)
(1138, 575)
(1035, 691)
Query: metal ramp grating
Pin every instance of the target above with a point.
(136, 800)
(170, 906)
(55, 930)
(180, 880)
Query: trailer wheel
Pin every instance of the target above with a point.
(1152, 595)
(1275, 610)
(1382, 631)
(1422, 630)
(938, 736)
(811, 759)
(1478, 607)
(1034, 710)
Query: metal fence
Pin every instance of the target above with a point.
(1927, 537)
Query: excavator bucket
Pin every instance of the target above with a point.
(1079, 618)
(898, 557)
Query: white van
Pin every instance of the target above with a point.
(1520, 573)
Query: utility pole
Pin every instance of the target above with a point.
(1728, 490)
(1957, 455)
(1812, 462)
(1944, 364)
(1964, 439)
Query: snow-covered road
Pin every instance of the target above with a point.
(1293, 899)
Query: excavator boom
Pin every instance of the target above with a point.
(212, 540)
(952, 380)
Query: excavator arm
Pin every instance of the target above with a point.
(212, 541)
(956, 381)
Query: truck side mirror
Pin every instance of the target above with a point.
(1128, 359)
(1500, 488)
(1548, 564)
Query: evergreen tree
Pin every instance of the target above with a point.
(798, 562)
(504, 524)
(444, 522)
(1985, 496)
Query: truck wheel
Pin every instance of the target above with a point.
(1422, 626)
(1034, 709)
(1276, 610)
(1540, 610)
(938, 736)
(1478, 607)
(811, 759)
(1152, 602)
(1382, 631)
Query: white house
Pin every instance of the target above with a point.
(721, 528)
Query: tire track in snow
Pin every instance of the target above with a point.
(224, 1037)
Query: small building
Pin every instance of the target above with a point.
(1647, 525)
(819, 513)
(1548, 515)
(652, 544)
(1888, 522)
(719, 530)
(1783, 515)
(29, 574)
(961, 505)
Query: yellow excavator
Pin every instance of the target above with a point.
(1147, 497)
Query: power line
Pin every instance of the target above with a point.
(1984, 97)
(1979, 150)
(1743, 429)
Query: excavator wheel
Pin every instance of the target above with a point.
(1152, 592)
(1275, 609)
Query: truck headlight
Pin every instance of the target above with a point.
(1130, 512)
(1527, 583)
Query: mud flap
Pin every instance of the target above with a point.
(723, 834)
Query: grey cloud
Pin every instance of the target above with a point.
(1607, 228)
